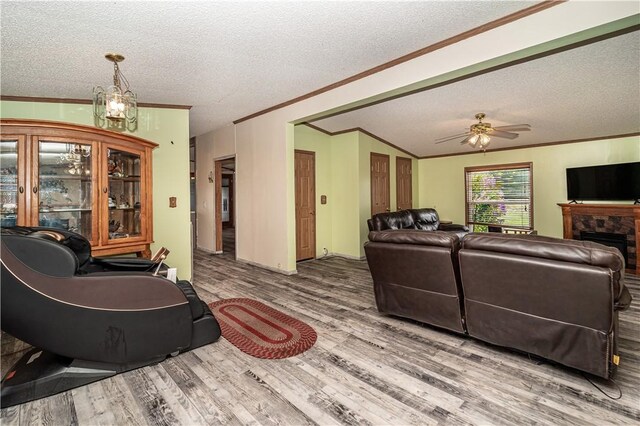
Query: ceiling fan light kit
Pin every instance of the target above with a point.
(479, 134)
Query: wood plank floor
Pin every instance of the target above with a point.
(365, 368)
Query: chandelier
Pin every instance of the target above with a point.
(114, 106)
(75, 159)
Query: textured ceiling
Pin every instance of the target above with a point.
(227, 59)
(581, 93)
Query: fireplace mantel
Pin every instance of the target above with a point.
(604, 217)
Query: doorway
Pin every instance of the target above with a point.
(380, 198)
(225, 195)
(305, 193)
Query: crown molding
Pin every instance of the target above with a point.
(82, 101)
(539, 145)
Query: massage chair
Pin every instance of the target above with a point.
(89, 318)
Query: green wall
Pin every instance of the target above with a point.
(442, 179)
(343, 175)
(169, 128)
(345, 186)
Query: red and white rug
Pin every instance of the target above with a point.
(260, 330)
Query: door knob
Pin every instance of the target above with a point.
(21, 189)
(104, 189)
(312, 213)
(35, 189)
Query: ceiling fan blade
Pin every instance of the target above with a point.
(514, 128)
(503, 134)
(448, 138)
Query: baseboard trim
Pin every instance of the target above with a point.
(269, 268)
(208, 250)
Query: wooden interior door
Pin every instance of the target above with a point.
(380, 198)
(305, 187)
(403, 183)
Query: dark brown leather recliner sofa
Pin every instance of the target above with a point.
(423, 219)
(558, 299)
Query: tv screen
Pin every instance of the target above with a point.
(613, 182)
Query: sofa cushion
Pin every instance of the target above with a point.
(584, 252)
(426, 219)
(393, 220)
(435, 238)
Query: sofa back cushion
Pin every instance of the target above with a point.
(426, 219)
(437, 239)
(584, 252)
(393, 220)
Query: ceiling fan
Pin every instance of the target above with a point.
(480, 134)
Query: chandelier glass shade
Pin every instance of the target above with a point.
(479, 139)
(76, 158)
(116, 104)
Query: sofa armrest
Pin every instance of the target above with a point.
(623, 301)
(452, 227)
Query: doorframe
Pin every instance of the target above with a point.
(231, 178)
(315, 224)
(217, 200)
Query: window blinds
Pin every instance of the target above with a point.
(500, 196)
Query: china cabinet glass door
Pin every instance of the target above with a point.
(65, 182)
(9, 185)
(124, 194)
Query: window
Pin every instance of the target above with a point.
(499, 195)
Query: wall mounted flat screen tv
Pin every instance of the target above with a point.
(613, 182)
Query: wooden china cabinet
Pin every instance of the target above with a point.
(80, 178)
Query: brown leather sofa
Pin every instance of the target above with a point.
(558, 299)
(424, 219)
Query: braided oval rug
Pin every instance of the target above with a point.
(260, 330)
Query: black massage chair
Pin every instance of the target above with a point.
(88, 318)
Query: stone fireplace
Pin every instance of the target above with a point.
(616, 225)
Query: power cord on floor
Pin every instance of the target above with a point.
(334, 256)
(610, 381)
